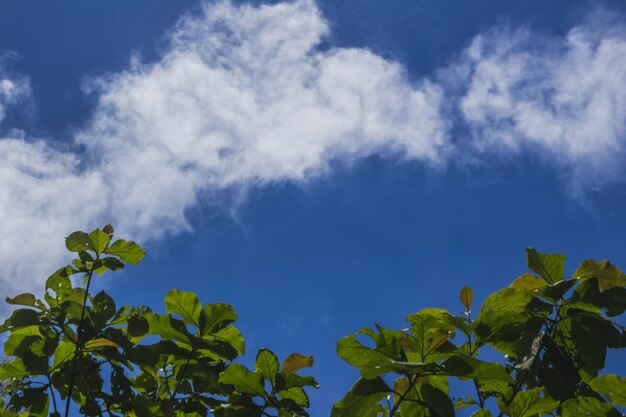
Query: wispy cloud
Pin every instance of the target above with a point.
(246, 96)
(564, 99)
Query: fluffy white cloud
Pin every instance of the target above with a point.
(245, 96)
(563, 98)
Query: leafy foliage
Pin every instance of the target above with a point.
(553, 332)
(73, 347)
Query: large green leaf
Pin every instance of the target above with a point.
(243, 379)
(608, 275)
(267, 364)
(587, 407)
(127, 251)
(362, 399)
(549, 266)
(98, 240)
(466, 366)
(612, 387)
(167, 327)
(26, 299)
(216, 316)
(530, 403)
(78, 241)
(295, 394)
(185, 304)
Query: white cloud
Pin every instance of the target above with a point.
(245, 96)
(563, 98)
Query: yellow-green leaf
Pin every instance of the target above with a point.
(100, 342)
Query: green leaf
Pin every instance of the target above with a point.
(529, 404)
(286, 381)
(612, 387)
(295, 394)
(167, 327)
(111, 263)
(243, 379)
(463, 365)
(548, 265)
(145, 407)
(466, 296)
(127, 251)
(267, 364)
(233, 337)
(362, 399)
(64, 351)
(185, 304)
(436, 400)
(98, 240)
(295, 362)
(216, 316)
(100, 342)
(27, 299)
(13, 369)
(587, 407)
(528, 282)
(482, 413)
(608, 275)
(78, 241)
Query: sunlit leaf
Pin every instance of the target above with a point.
(243, 379)
(185, 304)
(98, 240)
(267, 364)
(127, 251)
(78, 241)
(549, 266)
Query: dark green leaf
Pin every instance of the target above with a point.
(362, 399)
(463, 365)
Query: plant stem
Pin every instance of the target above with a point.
(413, 380)
(182, 375)
(54, 400)
(79, 331)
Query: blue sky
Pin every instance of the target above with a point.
(320, 165)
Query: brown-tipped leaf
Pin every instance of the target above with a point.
(295, 362)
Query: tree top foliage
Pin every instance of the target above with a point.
(71, 348)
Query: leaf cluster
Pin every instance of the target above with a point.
(552, 332)
(74, 348)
